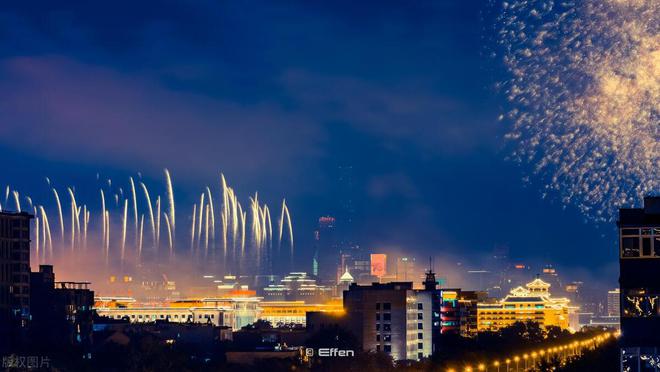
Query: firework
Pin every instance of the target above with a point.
(584, 88)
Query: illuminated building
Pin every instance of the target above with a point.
(212, 315)
(354, 260)
(405, 269)
(14, 275)
(614, 302)
(326, 254)
(236, 311)
(294, 312)
(378, 264)
(298, 286)
(391, 318)
(639, 282)
(530, 303)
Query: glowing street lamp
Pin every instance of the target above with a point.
(497, 364)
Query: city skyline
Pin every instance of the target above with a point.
(419, 129)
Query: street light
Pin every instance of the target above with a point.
(507, 361)
(497, 364)
(481, 367)
(525, 356)
(516, 359)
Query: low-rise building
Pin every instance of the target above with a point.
(530, 303)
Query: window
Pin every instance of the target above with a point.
(420, 316)
(377, 347)
(420, 326)
(387, 306)
(377, 338)
(630, 247)
(377, 316)
(420, 306)
(377, 327)
(639, 303)
(387, 328)
(420, 336)
(420, 355)
(387, 348)
(646, 246)
(387, 317)
(420, 345)
(387, 338)
(377, 305)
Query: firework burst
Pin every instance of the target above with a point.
(584, 88)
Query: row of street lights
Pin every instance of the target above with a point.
(529, 360)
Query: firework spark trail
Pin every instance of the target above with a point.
(585, 93)
(206, 233)
(135, 210)
(103, 217)
(46, 232)
(17, 200)
(123, 232)
(151, 212)
(210, 198)
(59, 210)
(170, 194)
(6, 194)
(200, 220)
(243, 242)
(106, 221)
(36, 234)
(169, 237)
(157, 223)
(74, 216)
(141, 236)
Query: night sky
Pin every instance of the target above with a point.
(278, 97)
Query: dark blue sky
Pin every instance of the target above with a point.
(277, 96)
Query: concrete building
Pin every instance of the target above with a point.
(61, 312)
(298, 286)
(530, 303)
(392, 318)
(294, 312)
(614, 302)
(14, 276)
(639, 283)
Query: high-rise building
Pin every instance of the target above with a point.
(14, 275)
(392, 318)
(613, 302)
(405, 269)
(356, 261)
(639, 283)
(326, 252)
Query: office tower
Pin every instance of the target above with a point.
(326, 253)
(356, 261)
(405, 269)
(392, 318)
(613, 302)
(639, 283)
(14, 275)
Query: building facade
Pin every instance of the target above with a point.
(391, 318)
(530, 303)
(14, 275)
(639, 283)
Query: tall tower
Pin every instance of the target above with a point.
(326, 252)
(639, 264)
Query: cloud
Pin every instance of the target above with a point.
(405, 113)
(65, 109)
